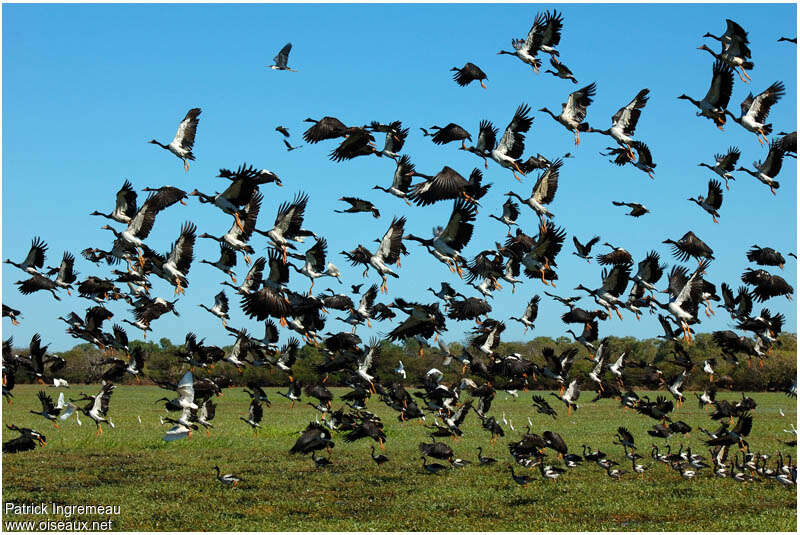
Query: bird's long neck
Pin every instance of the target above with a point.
(553, 115)
(160, 145)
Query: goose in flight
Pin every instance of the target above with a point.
(183, 142)
(282, 59)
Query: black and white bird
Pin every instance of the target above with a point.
(282, 59)
(756, 109)
(725, 164)
(573, 111)
(622, 156)
(529, 316)
(508, 152)
(34, 260)
(561, 71)
(387, 254)
(735, 51)
(712, 202)
(509, 216)
(97, 408)
(767, 170)
(27, 441)
(543, 192)
(584, 250)
(220, 308)
(448, 241)
(314, 266)
(623, 123)
(254, 415)
(183, 142)
(227, 479)
(716, 100)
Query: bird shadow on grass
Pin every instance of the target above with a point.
(523, 501)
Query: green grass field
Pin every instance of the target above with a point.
(171, 486)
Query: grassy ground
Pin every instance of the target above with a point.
(163, 486)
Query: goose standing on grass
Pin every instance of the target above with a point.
(227, 479)
(623, 123)
(282, 59)
(755, 111)
(220, 308)
(520, 479)
(767, 170)
(725, 164)
(380, 458)
(543, 192)
(469, 73)
(573, 111)
(716, 100)
(181, 146)
(712, 201)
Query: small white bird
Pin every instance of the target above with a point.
(140, 419)
(505, 422)
(513, 393)
(511, 424)
(400, 370)
(780, 411)
(58, 383)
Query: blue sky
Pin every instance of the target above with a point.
(84, 86)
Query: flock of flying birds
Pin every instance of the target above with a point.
(264, 293)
